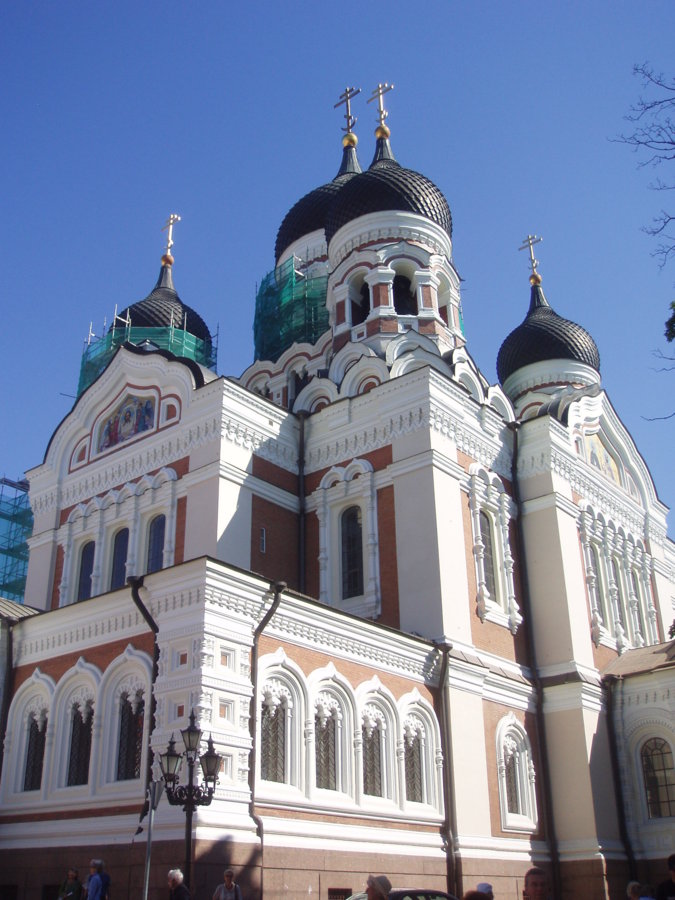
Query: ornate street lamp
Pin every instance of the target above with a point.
(190, 795)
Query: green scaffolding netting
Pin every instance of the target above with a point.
(99, 351)
(16, 525)
(289, 308)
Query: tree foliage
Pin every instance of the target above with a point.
(653, 139)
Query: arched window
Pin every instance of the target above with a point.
(405, 302)
(352, 552)
(515, 771)
(35, 754)
(414, 776)
(659, 778)
(361, 306)
(130, 744)
(273, 739)
(637, 600)
(156, 544)
(618, 592)
(371, 735)
(594, 567)
(488, 555)
(80, 744)
(86, 571)
(118, 572)
(326, 737)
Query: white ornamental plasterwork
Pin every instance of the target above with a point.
(268, 446)
(205, 653)
(274, 694)
(373, 716)
(38, 706)
(625, 514)
(243, 606)
(83, 632)
(412, 727)
(82, 696)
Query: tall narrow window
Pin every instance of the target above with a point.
(118, 573)
(635, 585)
(659, 778)
(515, 771)
(80, 744)
(413, 767)
(325, 738)
(130, 745)
(352, 553)
(86, 571)
(620, 601)
(273, 741)
(372, 759)
(488, 555)
(35, 753)
(514, 802)
(156, 544)
(594, 567)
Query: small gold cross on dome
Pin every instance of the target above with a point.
(378, 94)
(528, 244)
(345, 100)
(170, 222)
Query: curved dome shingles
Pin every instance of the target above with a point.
(388, 186)
(544, 335)
(163, 307)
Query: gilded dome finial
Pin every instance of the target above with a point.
(382, 131)
(167, 259)
(528, 244)
(350, 139)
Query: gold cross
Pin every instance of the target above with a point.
(529, 243)
(378, 93)
(345, 99)
(170, 222)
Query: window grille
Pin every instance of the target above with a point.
(86, 571)
(130, 746)
(273, 742)
(352, 553)
(513, 803)
(372, 760)
(488, 555)
(80, 745)
(118, 574)
(156, 544)
(659, 778)
(325, 752)
(413, 768)
(35, 754)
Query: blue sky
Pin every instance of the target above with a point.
(116, 114)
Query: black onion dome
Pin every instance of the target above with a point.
(309, 213)
(163, 308)
(544, 335)
(386, 185)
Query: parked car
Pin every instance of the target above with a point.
(410, 894)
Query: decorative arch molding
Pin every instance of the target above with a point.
(419, 753)
(516, 776)
(492, 511)
(418, 359)
(360, 373)
(411, 342)
(497, 399)
(345, 358)
(34, 698)
(319, 392)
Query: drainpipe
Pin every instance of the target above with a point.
(547, 791)
(453, 874)
(278, 587)
(302, 417)
(608, 683)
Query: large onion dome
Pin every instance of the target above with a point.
(163, 308)
(387, 185)
(309, 213)
(544, 335)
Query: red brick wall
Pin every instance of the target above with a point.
(280, 559)
(58, 575)
(275, 475)
(386, 528)
(181, 512)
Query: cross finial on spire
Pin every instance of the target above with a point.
(170, 222)
(378, 93)
(345, 100)
(528, 244)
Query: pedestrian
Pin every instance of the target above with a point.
(177, 890)
(228, 890)
(71, 889)
(105, 880)
(666, 890)
(536, 884)
(378, 887)
(485, 887)
(94, 883)
(633, 890)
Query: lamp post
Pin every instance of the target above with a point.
(190, 795)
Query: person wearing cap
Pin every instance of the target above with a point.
(485, 887)
(94, 883)
(378, 887)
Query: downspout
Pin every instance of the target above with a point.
(135, 582)
(547, 792)
(278, 587)
(608, 683)
(453, 874)
(302, 417)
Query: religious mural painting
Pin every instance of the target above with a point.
(129, 418)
